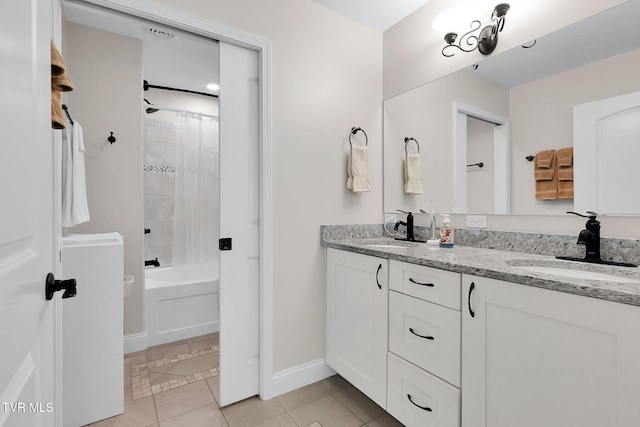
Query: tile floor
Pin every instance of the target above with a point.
(176, 384)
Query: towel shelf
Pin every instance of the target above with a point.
(407, 140)
(355, 130)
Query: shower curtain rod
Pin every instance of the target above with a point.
(146, 86)
(176, 110)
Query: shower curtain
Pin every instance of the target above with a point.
(196, 217)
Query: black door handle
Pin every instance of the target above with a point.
(377, 280)
(52, 285)
(471, 312)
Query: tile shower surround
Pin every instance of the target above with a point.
(611, 249)
(159, 189)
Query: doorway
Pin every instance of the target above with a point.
(500, 158)
(261, 49)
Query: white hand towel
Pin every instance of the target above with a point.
(349, 173)
(75, 209)
(360, 169)
(412, 184)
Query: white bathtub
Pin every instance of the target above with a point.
(180, 304)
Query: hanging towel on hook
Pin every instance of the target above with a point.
(75, 208)
(412, 168)
(358, 169)
(565, 172)
(544, 172)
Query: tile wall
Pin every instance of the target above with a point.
(159, 189)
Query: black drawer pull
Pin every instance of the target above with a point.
(471, 312)
(431, 285)
(421, 336)
(426, 408)
(377, 280)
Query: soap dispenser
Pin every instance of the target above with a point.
(446, 232)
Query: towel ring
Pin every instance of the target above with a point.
(406, 141)
(354, 131)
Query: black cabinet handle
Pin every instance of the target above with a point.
(426, 408)
(471, 312)
(431, 285)
(377, 272)
(421, 336)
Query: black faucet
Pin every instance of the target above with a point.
(590, 238)
(153, 262)
(409, 224)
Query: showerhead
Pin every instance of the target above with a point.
(150, 110)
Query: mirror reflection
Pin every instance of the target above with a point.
(535, 90)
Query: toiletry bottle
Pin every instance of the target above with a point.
(446, 232)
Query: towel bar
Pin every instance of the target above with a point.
(407, 140)
(355, 130)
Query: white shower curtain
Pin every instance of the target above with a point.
(196, 217)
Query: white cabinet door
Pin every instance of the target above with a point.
(357, 295)
(533, 357)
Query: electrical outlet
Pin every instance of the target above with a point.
(477, 221)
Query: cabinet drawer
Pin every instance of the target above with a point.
(426, 334)
(417, 398)
(430, 284)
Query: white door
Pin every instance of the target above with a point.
(606, 149)
(27, 245)
(239, 220)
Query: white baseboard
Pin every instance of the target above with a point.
(298, 376)
(135, 342)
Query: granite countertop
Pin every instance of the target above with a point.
(503, 265)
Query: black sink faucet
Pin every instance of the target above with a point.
(408, 224)
(590, 236)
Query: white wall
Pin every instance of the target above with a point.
(106, 70)
(542, 120)
(412, 48)
(327, 78)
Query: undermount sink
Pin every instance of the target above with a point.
(384, 246)
(576, 273)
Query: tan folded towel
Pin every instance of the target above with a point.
(412, 168)
(57, 64)
(62, 83)
(545, 175)
(57, 116)
(359, 168)
(565, 173)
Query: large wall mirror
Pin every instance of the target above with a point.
(508, 107)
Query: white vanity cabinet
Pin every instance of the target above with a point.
(357, 298)
(423, 387)
(533, 357)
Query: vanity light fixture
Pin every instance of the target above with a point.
(485, 41)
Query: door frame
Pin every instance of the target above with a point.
(193, 24)
(501, 155)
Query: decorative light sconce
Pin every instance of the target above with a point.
(486, 41)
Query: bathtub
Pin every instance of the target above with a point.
(180, 304)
